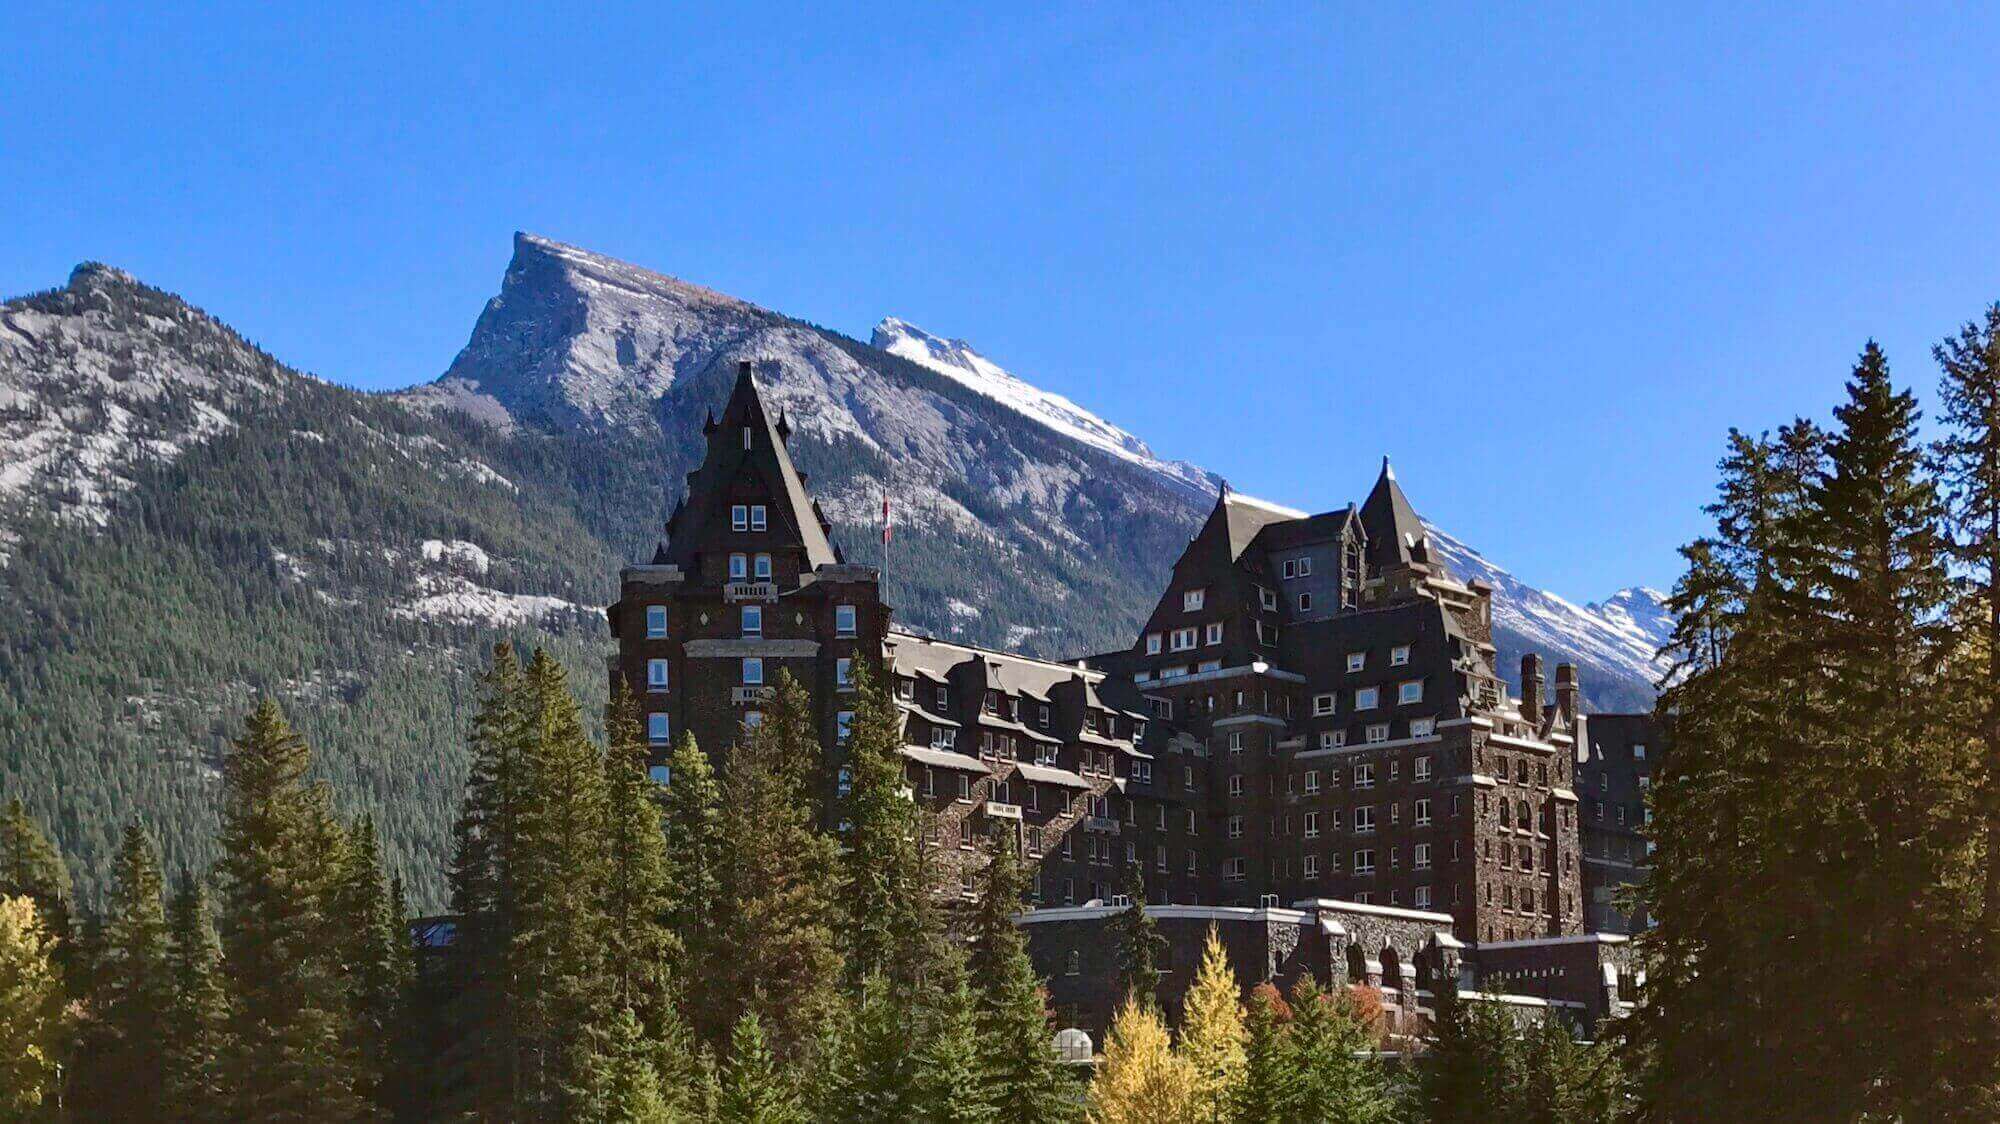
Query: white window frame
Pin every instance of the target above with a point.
(1152, 643)
(1183, 639)
(1399, 655)
(753, 671)
(1312, 782)
(1357, 661)
(739, 517)
(843, 725)
(1236, 784)
(659, 675)
(1309, 867)
(1422, 769)
(659, 729)
(846, 620)
(758, 518)
(656, 622)
(1332, 739)
(1423, 727)
(1323, 704)
(1364, 775)
(1312, 825)
(1305, 602)
(1367, 698)
(1409, 691)
(843, 672)
(1377, 732)
(1364, 864)
(1235, 827)
(1423, 811)
(1420, 857)
(760, 567)
(1364, 819)
(753, 620)
(1213, 633)
(739, 567)
(1194, 599)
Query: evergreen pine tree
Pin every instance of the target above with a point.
(950, 1080)
(287, 1052)
(1566, 1079)
(639, 947)
(1139, 941)
(629, 1085)
(1141, 1080)
(559, 875)
(694, 851)
(1473, 1065)
(753, 1090)
(778, 910)
(1270, 1083)
(866, 1058)
(195, 1020)
(1332, 1049)
(131, 993)
(887, 910)
(1026, 1081)
(33, 1024)
(377, 967)
(1212, 1034)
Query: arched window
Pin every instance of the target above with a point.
(1357, 965)
(1073, 963)
(1524, 817)
(1392, 968)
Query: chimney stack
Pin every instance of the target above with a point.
(1568, 691)
(1531, 688)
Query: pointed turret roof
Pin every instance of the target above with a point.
(1236, 519)
(1395, 534)
(791, 511)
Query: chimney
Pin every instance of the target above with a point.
(1531, 687)
(1567, 691)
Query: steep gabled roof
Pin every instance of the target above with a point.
(792, 511)
(1237, 518)
(1395, 534)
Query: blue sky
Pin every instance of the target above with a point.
(1544, 261)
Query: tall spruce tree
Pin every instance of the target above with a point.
(1140, 944)
(1967, 459)
(1025, 1079)
(639, 947)
(1473, 1065)
(131, 993)
(288, 1056)
(628, 1083)
(753, 1089)
(1332, 1050)
(194, 1021)
(887, 920)
(1270, 1084)
(1212, 1034)
(779, 912)
(694, 851)
(559, 874)
(950, 1083)
(378, 970)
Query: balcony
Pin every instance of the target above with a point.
(750, 591)
(743, 695)
(997, 810)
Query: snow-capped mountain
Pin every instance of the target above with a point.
(957, 360)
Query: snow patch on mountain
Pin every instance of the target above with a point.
(1623, 634)
(956, 360)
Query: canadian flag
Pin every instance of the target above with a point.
(887, 523)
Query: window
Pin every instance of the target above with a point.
(752, 719)
(1423, 727)
(757, 517)
(1193, 599)
(1209, 665)
(1420, 856)
(941, 698)
(1399, 655)
(753, 620)
(844, 782)
(739, 518)
(1312, 825)
(656, 675)
(1236, 869)
(843, 620)
(1309, 867)
(1160, 856)
(739, 567)
(1323, 704)
(1332, 739)
(1364, 819)
(1638, 751)
(1236, 785)
(843, 723)
(1214, 635)
(1364, 776)
(1364, 862)
(1357, 660)
(662, 775)
(1236, 741)
(1193, 863)
(1236, 827)
(1044, 714)
(1409, 691)
(1367, 698)
(1312, 781)
(1152, 643)
(1183, 639)
(1298, 567)
(1305, 602)
(761, 567)
(1267, 599)
(843, 672)
(657, 729)
(1378, 732)
(965, 832)
(1423, 810)
(1423, 768)
(1421, 897)
(656, 621)
(753, 671)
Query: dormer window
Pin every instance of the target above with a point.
(656, 622)
(843, 620)
(1214, 632)
(739, 517)
(757, 517)
(1367, 698)
(1183, 639)
(753, 620)
(1298, 567)
(753, 673)
(1399, 655)
(1268, 599)
(739, 567)
(1357, 660)
(1409, 691)
(1194, 599)
(941, 697)
(656, 675)
(1152, 643)
(762, 565)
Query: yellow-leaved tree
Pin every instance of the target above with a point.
(1141, 1080)
(31, 1010)
(1212, 1035)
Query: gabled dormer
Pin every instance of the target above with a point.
(747, 502)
